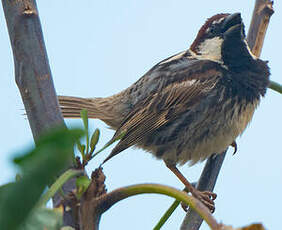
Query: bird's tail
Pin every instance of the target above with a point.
(71, 106)
(104, 109)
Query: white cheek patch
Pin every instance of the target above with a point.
(211, 49)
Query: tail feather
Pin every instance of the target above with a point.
(108, 109)
(71, 107)
(75, 113)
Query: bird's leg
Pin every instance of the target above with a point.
(206, 197)
(234, 145)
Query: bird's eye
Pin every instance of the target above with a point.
(212, 30)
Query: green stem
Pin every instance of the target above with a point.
(122, 193)
(169, 211)
(275, 86)
(166, 215)
(57, 185)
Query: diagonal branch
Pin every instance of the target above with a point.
(207, 181)
(260, 20)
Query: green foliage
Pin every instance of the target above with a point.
(109, 143)
(21, 202)
(85, 152)
(94, 140)
(58, 185)
(82, 184)
(39, 166)
(43, 218)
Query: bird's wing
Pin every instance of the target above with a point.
(162, 107)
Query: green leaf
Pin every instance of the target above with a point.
(94, 140)
(82, 184)
(56, 139)
(39, 168)
(110, 143)
(4, 189)
(43, 218)
(79, 146)
(83, 151)
(18, 177)
(84, 116)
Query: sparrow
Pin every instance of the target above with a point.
(190, 105)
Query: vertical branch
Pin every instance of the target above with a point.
(256, 34)
(32, 73)
(32, 70)
(260, 20)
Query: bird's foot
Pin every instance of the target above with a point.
(234, 145)
(206, 197)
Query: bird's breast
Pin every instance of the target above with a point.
(219, 131)
(197, 135)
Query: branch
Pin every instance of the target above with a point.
(32, 70)
(95, 200)
(260, 20)
(275, 86)
(32, 73)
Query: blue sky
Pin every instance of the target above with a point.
(98, 48)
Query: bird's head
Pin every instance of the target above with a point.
(222, 39)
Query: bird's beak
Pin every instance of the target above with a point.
(233, 26)
(230, 21)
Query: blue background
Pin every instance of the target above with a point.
(98, 48)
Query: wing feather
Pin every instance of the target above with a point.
(160, 108)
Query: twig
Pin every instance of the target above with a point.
(275, 86)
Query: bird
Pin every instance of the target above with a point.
(189, 106)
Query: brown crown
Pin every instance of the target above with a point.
(203, 29)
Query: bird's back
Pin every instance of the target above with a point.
(186, 109)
